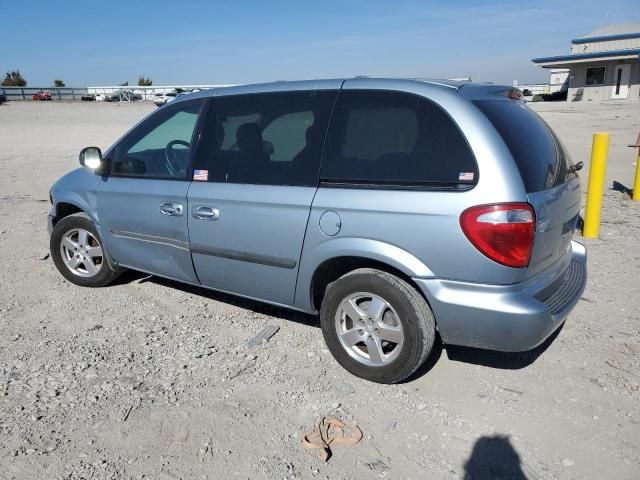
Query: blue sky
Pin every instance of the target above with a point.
(196, 42)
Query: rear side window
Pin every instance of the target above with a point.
(395, 138)
(265, 139)
(539, 155)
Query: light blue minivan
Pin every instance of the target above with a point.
(396, 209)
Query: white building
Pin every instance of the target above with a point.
(558, 82)
(558, 79)
(604, 64)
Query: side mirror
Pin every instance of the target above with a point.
(92, 157)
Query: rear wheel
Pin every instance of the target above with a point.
(78, 253)
(376, 325)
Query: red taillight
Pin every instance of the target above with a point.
(504, 232)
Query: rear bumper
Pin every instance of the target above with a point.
(510, 318)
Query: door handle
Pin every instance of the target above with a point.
(170, 208)
(202, 212)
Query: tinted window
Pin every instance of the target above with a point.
(539, 155)
(289, 133)
(392, 138)
(594, 76)
(269, 138)
(160, 146)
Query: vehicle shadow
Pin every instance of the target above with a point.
(476, 356)
(430, 362)
(500, 360)
(485, 358)
(252, 305)
(493, 457)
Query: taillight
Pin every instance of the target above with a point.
(504, 232)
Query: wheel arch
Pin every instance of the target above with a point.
(64, 209)
(69, 203)
(332, 259)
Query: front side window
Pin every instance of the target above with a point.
(395, 138)
(595, 76)
(264, 139)
(160, 147)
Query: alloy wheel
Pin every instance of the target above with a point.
(369, 329)
(81, 252)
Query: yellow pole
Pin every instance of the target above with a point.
(636, 184)
(595, 190)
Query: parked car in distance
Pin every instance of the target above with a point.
(397, 210)
(122, 95)
(88, 98)
(112, 97)
(3, 98)
(41, 95)
(187, 92)
(166, 97)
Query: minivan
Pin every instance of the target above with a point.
(397, 210)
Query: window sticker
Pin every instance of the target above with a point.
(201, 175)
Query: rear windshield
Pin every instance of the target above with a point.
(539, 155)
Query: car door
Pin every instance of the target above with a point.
(255, 177)
(142, 204)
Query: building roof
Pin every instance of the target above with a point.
(560, 60)
(616, 31)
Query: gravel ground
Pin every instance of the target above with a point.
(577, 122)
(150, 379)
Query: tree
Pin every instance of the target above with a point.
(14, 79)
(144, 82)
(58, 83)
(124, 84)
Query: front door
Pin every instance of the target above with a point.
(142, 204)
(255, 177)
(621, 76)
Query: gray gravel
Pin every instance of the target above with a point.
(149, 379)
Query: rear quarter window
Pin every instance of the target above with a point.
(539, 155)
(396, 139)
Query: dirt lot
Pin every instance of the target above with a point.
(147, 379)
(577, 122)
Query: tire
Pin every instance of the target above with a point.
(68, 243)
(402, 308)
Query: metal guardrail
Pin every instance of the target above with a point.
(148, 93)
(26, 93)
(75, 93)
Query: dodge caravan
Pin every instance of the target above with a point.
(397, 210)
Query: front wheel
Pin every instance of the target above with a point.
(376, 325)
(78, 253)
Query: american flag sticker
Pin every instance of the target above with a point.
(201, 175)
(465, 176)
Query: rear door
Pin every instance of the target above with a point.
(142, 204)
(553, 188)
(255, 177)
